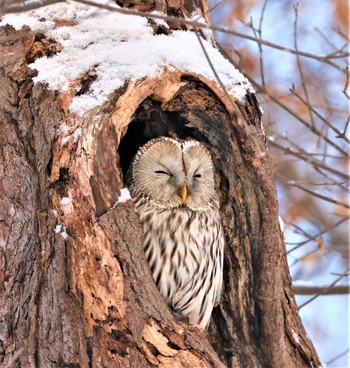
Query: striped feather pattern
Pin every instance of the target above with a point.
(184, 249)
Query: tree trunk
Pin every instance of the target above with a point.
(75, 289)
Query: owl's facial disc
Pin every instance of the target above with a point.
(159, 172)
(174, 174)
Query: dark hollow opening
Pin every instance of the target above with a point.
(149, 122)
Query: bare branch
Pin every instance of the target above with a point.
(327, 155)
(346, 84)
(339, 133)
(299, 230)
(238, 108)
(277, 101)
(315, 237)
(297, 260)
(300, 119)
(311, 160)
(345, 274)
(320, 196)
(303, 84)
(216, 5)
(257, 34)
(346, 126)
(338, 356)
(321, 290)
(18, 6)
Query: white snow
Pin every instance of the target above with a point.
(281, 223)
(11, 210)
(58, 229)
(65, 201)
(124, 196)
(296, 337)
(77, 134)
(208, 33)
(64, 235)
(118, 48)
(28, 2)
(64, 128)
(65, 140)
(160, 22)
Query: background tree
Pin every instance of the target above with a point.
(75, 284)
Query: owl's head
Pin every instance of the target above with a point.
(174, 173)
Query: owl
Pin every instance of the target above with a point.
(172, 186)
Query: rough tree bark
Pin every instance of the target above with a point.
(83, 296)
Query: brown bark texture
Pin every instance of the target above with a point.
(83, 296)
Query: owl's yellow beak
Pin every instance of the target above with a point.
(184, 193)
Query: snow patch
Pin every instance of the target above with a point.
(208, 33)
(124, 197)
(65, 140)
(11, 210)
(58, 229)
(65, 201)
(64, 235)
(281, 223)
(160, 22)
(77, 134)
(125, 49)
(296, 337)
(64, 128)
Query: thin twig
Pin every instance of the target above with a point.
(319, 166)
(345, 274)
(311, 160)
(216, 6)
(346, 84)
(303, 84)
(297, 260)
(338, 357)
(321, 290)
(258, 34)
(327, 155)
(315, 237)
(248, 129)
(299, 230)
(339, 133)
(299, 118)
(277, 101)
(346, 126)
(320, 196)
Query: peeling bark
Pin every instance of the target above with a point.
(75, 289)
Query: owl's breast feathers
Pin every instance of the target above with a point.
(184, 249)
